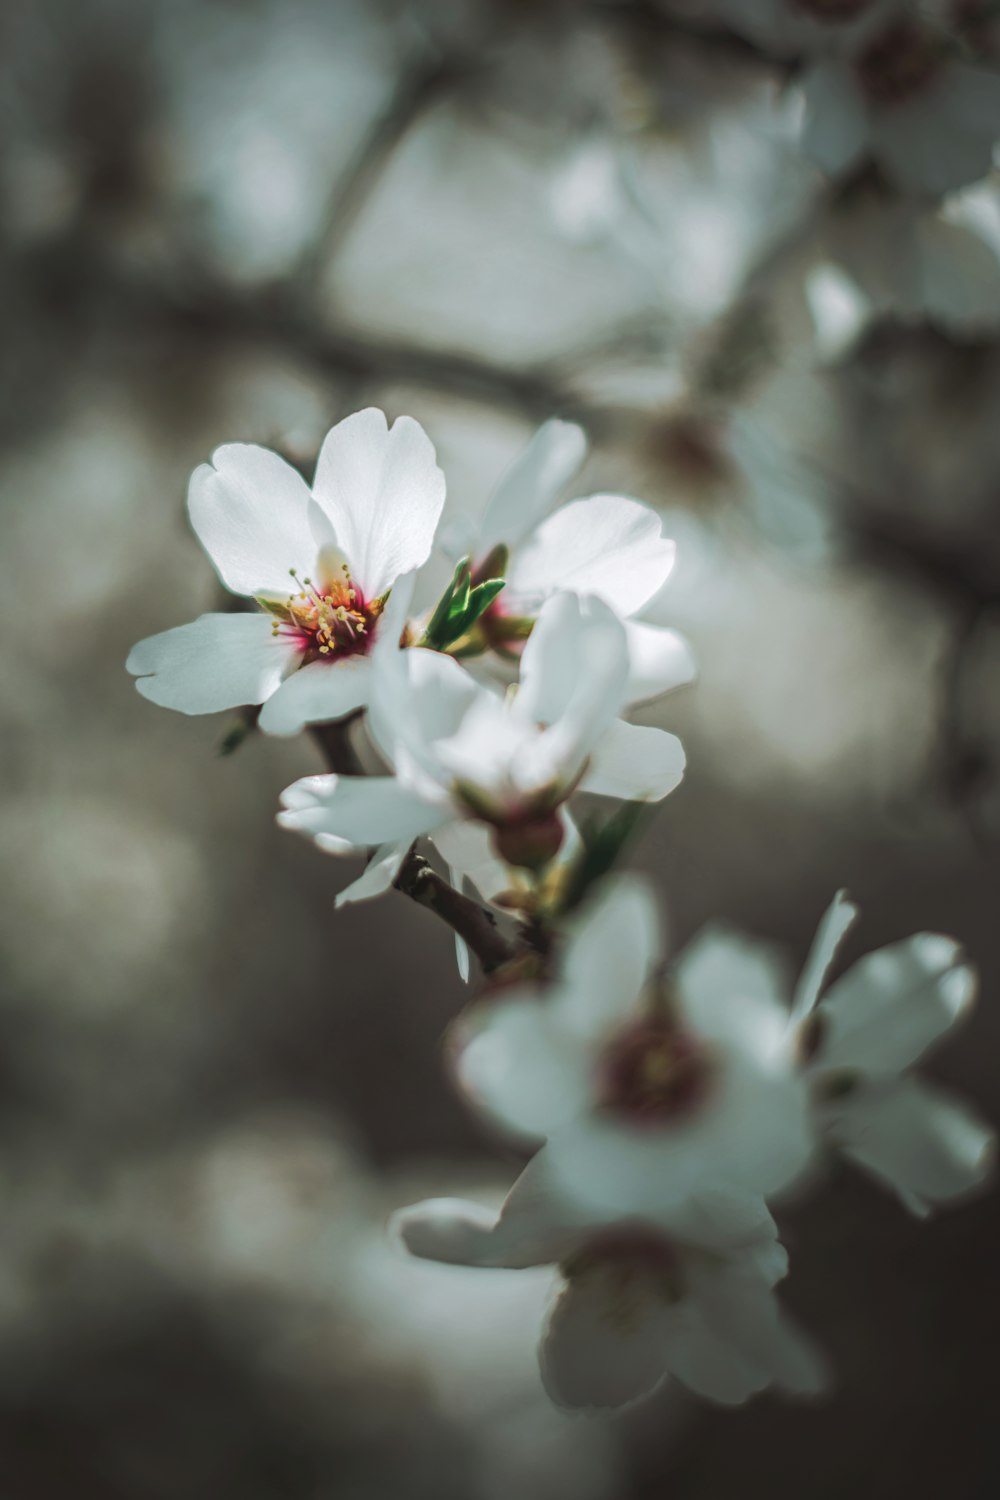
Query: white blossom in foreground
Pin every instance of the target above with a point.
(927, 118)
(860, 1041)
(649, 1088)
(609, 546)
(321, 564)
(463, 752)
(639, 1300)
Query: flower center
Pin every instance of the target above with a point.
(653, 1072)
(899, 63)
(329, 620)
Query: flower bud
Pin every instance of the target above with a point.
(530, 844)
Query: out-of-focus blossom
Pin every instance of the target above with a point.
(461, 751)
(608, 546)
(881, 256)
(860, 1041)
(927, 118)
(648, 1089)
(639, 1300)
(320, 563)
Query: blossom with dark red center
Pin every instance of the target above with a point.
(642, 1298)
(646, 1087)
(324, 566)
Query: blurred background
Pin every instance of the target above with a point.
(228, 221)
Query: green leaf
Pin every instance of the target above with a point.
(437, 626)
(238, 731)
(602, 846)
(459, 607)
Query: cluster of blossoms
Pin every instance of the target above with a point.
(665, 1102)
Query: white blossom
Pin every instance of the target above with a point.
(462, 751)
(649, 1087)
(610, 546)
(860, 1041)
(640, 1299)
(321, 564)
(927, 118)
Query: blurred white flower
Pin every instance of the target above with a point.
(639, 1300)
(462, 751)
(927, 118)
(321, 565)
(861, 1039)
(649, 1089)
(882, 256)
(606, 545)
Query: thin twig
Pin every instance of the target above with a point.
(472, 922)
(417, 879)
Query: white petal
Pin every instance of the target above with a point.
(316, 693)
(574, 666)
(742, 1310)
(943, 137)
(250, 512)
(659, 660)
(835, 125)
(833, 928)
(635, 762)
(733, 989)
(704, 1362)
(358, 811)
(533, 1228)
(419, 698)
(377, 876)
(467, 848)
(519, 1068)
(532, 484)
(613, 949)
(603, 1345)
(448, 1230)
(216, 662)
(923, 154)
(383, 491)
(894, 1004)
(606, 545)
(920, 1141)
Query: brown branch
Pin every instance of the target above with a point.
(475, 924)
(470, 921)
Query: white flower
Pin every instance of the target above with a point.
(640, 1300)
(928, 119)
(861, 1039)
(462, 751)
(606, 545)
(650, 1088)
(321, 564)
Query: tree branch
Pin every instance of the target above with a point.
(475, 924)
(470, 921)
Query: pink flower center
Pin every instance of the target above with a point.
(328, 620)
(899, 63)
(653, 1072)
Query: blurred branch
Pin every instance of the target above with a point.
(415, 92)
(649, 19)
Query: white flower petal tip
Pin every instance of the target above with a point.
(447, 1230)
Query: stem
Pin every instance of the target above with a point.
(475, 924)
(472, 922)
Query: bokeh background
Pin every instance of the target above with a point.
(241, 221)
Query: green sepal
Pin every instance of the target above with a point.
(238, 731)
(601, 847)
(459, 607)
